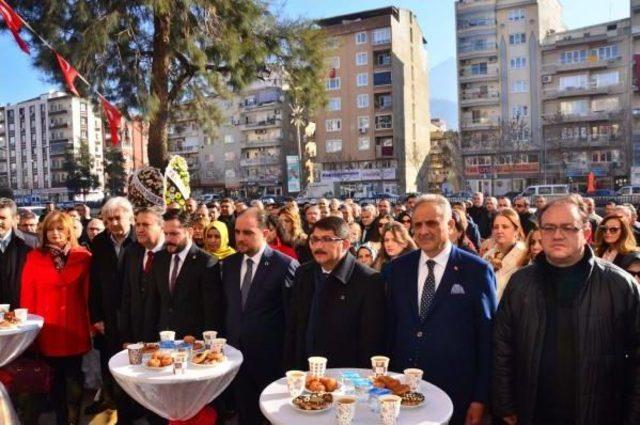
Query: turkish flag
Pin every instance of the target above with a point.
(69, 73)
(14, 23)
(113, 117)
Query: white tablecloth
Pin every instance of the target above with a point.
(13, 342)
(175, 397)
(275, 406)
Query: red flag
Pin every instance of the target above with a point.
(69, 73)
(14, 23)
(113, 117)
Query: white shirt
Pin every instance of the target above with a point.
(256, 260)
(182, 255)
(438, 269)
(157, 248)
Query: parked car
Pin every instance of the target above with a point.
(629, 190)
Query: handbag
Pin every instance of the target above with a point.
(29, 375)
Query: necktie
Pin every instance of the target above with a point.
(246, 282)
(3, 245)
(428, 291)
(174, 273)
(148, 263)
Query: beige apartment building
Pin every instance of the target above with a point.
(373, 136)
(498, 90)
(634, 174)
(586, 86)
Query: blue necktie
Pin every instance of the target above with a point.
(428, 291)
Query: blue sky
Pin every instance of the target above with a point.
(19, 80)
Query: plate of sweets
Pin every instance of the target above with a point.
(410, 398)
(158, 361)
(321, 384)
(194, 343)
(9, 321)
(313, 403)
(207, 358)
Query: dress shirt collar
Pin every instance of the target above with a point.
(256, 257)
(441, 259)
(183, 254)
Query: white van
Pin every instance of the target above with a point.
(546, 190)
(629, 190)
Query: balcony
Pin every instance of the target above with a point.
(556, 118)
(467, 51)
(479, 25)
(482, 123)
(590, 89)
(466, 5)
(468, 75)
(585, 142)
(249, 144)
(61, 125)
(57, 111)
(552, 68)
(183, 149)
(477, 98)
(262, 160)
(260, 106)
(269, 122)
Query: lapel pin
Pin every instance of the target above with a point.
(455, 268)
(194, 256)
(266, 263)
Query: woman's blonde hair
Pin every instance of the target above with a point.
(529, 242)
(292, 214)
(625, 244)
(55, 218)
(514, 219)
(400, 235)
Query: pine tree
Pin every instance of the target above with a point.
(114, 172)
(151, 56)
(78, 166)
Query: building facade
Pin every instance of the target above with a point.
(444, 165)
(134, 138)
(38, 133)
(372, 136)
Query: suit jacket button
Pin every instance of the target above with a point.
(419, 334)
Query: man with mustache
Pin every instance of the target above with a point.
(255, 281)
(184, 290)
(337, 304)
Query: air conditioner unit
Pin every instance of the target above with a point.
(547, 78)
(363, 130)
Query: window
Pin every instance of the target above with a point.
(574, 107)
(334, 62)
(363, 101)
(363, 122)
(334, 146)
(518, 62)
(573, 82)
(383, 59)
(381, 36)
(517, 38)
(519, 86)
(383, 101)
(573, 56)
(519, 111)
(606, 79)
(361, 58)
(479, 68)
(332, 83)
(361, 38)
(606, 52)
(364, 144)
(333, 124)
(384, 122)
(516, 15)
(381, 78)
(606, 104)
(362, 79)
(335, 103)
(228, 138)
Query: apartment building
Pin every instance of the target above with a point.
(38, 133)
(372, 136)
(586, 86)
(634, 158)
(133, 141)
(498, 89)
(444, 165)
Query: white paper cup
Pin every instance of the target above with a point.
(317, 366)
(379, 365)
(389, 409)
(296, 380)
(208, 337)
(21, 314)
(4, 308)
(180, 361)
(345, 409)
(413, 377)
(167, 335)
(135, 353)
(217, 345)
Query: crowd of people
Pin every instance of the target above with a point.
(529, 314)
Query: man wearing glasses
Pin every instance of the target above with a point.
(337, 304)
(567, 332)
(527, 218)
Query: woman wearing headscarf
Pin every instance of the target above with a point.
(216, 240)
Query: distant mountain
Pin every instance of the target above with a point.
(443, 96)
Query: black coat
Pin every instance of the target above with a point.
(258, 331)
(528, 222)
(195, 305)
(607, 346)
(370, 233)
(17, 251)
(351, 316)
(105, 290)
(135, 293)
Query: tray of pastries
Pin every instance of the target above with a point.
(409, 398)
(313, 403)
(321, 384)
(207, 358)
(158, 361)
(9, 321)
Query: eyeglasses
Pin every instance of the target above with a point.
(519, 205)
(408, 220)
(565, 229)
(611, 229)
(323, 240)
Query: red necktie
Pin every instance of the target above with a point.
(148, 263)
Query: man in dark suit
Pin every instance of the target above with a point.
(184, 292)
(441, 304)
(105, 288)
(337, 304)
(369, 224)
(227, 207)
(256, 281)
(13, 254)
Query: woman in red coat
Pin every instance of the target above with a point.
(55, 285)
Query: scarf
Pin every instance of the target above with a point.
(59, 255)
(225, 250)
